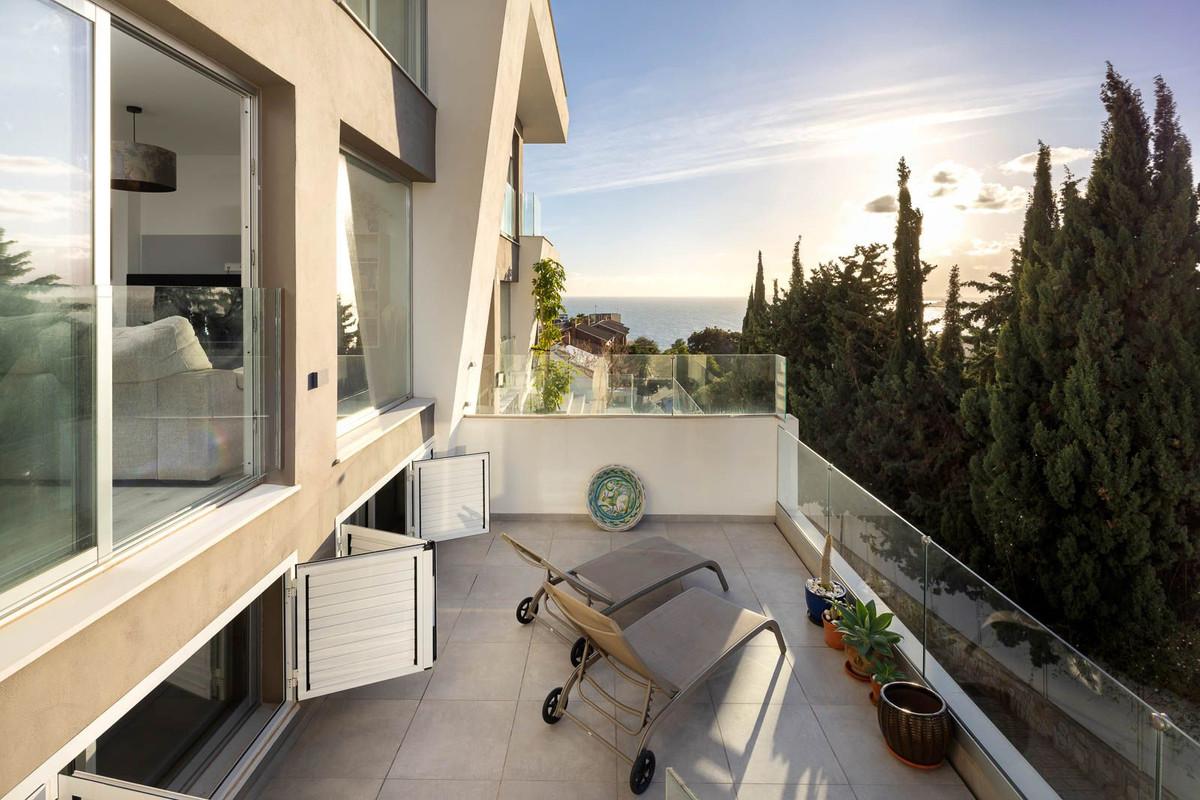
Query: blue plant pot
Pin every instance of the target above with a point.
(817, 602)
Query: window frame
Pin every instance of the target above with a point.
(349, 423)
(104, 18)
(368, 27)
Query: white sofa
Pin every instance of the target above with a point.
(175, 418)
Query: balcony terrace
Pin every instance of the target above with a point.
(765, 727)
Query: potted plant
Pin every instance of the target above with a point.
(821, 591)
(885, 672)
(866, 635)
(915, 724)
(829, 618)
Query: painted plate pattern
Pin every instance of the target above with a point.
(616, 498)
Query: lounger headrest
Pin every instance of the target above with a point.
(602, 631)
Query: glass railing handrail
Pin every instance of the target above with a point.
(1115, 689)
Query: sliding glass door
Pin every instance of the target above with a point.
(48, 149)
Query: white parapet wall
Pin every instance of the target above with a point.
(718, 465)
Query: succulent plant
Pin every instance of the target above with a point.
(885, 672)
(866, 630)
(826, 580)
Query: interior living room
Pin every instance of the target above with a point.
(182, 231)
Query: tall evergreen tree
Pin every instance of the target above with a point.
(950, 341)
(16, 264)
(998, 415)
(756, 322)
(910, 278)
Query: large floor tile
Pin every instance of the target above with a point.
(490, 625)
(579, 529)
(408, 687)
(349, 738)
(756, 675)
(776, 744)
(467, 550)
(687, 740)
(778, 586)
(853, 732)
(771, 551)
(740, 591)
(454, 582)
(503, 554)
(793, 621)
(293, 788)
(439, 790)
(557, 790)
(913, 792)
(501, 587)
(794, 791)
(456, 740)
(559, 752)
(525, 531)
(682, 531)
(703, 791)
(821, 672)
(743, 530)
(478, 671)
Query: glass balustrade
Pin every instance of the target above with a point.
(1071, 723)
(640, 385)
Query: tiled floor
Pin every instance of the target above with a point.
(765, 727)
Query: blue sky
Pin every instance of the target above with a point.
(702, 132)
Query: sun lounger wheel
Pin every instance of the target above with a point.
(642, 772)
(550, 704)
(577, 652)
(523, 615)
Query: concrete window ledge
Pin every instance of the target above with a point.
(29, 634)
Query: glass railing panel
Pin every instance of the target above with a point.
(531, 215)
(886, 551)
(195, 374)
(1180, 764)
(729, 384)
(803, 482)
(508, 213)
(644, 385)
(47, 433)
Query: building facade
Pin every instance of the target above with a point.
(209, 185)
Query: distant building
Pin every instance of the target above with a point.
(595, 333)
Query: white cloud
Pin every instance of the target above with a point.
(995, 197)
(1026, 162)
(980, 247)
(734, 128)
(39, 205)
(34, 165)
(884, 204)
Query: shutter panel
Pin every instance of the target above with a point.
(451, 497)
(359, 540)
(87, 786)
(364, 618)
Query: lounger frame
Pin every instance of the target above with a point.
(595, 598)
(646, 722)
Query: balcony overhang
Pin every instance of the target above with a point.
(542, 98)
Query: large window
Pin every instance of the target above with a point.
(138, 382)
(46, 327)
(374, 291)
(399, 25)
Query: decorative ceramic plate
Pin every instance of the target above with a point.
(616, 498)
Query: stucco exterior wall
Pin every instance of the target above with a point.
(690, 465)
(323, 83)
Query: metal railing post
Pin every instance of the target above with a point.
(925, 540)
(1161, 723)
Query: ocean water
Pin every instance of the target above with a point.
(665, 319)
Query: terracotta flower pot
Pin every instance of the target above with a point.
(875, 687)
(857, 665)
(915, 724)
(833, 637)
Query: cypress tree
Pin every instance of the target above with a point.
(950, 340)
(1006, 487)
(910, 278)
(756, 322)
